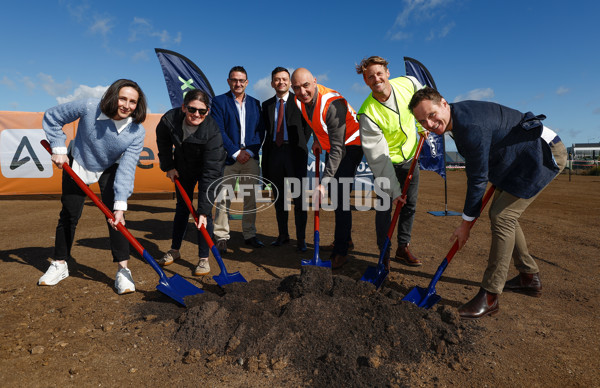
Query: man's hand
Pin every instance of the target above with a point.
(119, 219)
(461, 234)
(399, 199)
(202, 221)
(243, 157)
(172, 174)
(316, 148)
(59, 160)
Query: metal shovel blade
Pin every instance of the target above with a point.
(177, 288)
(224, 277)
(316, 260)
(376, 275)
(422, 297)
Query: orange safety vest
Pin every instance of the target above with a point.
(325, 97)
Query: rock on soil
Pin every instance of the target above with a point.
(332, 330)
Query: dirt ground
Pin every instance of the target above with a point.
(292, 326)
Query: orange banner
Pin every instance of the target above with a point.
(26, 167)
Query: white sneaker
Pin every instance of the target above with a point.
(54, 274)
(169, 257)
(203, 268)
(124, 282)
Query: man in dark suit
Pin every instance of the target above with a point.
(520, 156)
(285, 153)
(239, 118)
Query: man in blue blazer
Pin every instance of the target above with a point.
(520, 156)
(239, 118)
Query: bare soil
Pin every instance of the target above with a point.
(301, 326)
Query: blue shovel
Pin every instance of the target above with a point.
(426, 297)
(174, 287)
(224, 277)
(379, 273)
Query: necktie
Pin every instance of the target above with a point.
(279, 133)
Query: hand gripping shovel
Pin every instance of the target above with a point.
(377, 274)
(426, 297)
(316, 260)
(224, 277)
(174, 287)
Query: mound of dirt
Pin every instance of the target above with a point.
(331, 330)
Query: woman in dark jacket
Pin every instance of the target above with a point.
(190, 147)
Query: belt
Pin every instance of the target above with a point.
(284, 142)
(554, 141)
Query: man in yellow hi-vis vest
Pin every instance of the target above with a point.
(388, 136)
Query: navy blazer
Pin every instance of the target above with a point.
(503, 146)
(225, 113)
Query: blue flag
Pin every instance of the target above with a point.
(181, 76)
(432, 155)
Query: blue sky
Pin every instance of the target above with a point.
(537, 55)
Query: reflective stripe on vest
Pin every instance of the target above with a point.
(324, 99)
(399, 128)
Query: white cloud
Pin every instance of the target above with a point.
(562, 90)
(140, 56)
(476, 94)
(140, 28)
(262, 89)
(52, 87)
(29, 84)
(418, 11)
(322, 78)
(101, 26)
(83, 92)
(361, 87)
(8, 82)
(596, 111)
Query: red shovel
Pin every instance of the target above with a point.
(224, 277)
(316, 260)
(377, 275)
(174, 287)
(427, 297)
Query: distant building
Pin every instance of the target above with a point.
(585, 151)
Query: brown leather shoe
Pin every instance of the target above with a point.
(337, 260)
(404, 256)
(525, 283)
(484, 303)
(329, 248)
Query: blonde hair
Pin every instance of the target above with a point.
(366, 62)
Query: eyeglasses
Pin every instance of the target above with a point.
(193, 110)
(235, 81)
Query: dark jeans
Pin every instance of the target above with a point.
(282, 165)
(73, 199)
(383, 218)
(182, 215)
(343, 218)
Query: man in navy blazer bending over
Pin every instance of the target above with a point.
(520, 156)
(239, 118)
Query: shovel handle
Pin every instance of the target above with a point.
(484, 202)
(405, 187)
(120, 227)
(188, 202)
(318, 200)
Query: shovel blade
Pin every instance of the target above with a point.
(316, 260)
(375, 275)
(422, 297)
(225, 278)
(177, 288)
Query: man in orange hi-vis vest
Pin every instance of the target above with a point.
(335, 130)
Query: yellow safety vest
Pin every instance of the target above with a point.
(399, 128)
